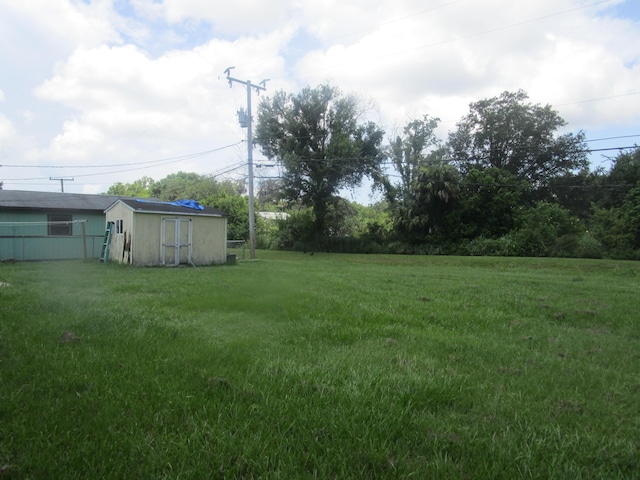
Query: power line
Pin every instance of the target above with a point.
(162, 161)
(612, 138)
(598, 100)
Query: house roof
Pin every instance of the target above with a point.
(156, 206)
(273, 215)
(18, 199)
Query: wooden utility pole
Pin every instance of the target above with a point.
(62, 179)
(246, 122)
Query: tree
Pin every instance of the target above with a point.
(408, 153)
(546, 229)
(433, 195)
(139, 188)
(269, 192)
(437, 188)
(237, 209)
(623, 176)
(506, 132)
(193, 186)
(618, 228)
(578, 191)
(489, 201)
(317, 137)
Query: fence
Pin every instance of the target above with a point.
(236, 245)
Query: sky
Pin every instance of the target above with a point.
(103, 91)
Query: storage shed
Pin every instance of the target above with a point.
(152, 233)
(51, 225)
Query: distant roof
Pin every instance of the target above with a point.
(55, 200)
(273, 215)
(146, 205)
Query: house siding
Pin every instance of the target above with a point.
(24, 235)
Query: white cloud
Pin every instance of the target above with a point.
(7, 131)
(233, 17)
(109, 82)
(466, 49)
(62, 21)
(132, 107)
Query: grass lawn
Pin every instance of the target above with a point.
(324, 366)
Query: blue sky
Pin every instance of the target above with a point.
(109, 91)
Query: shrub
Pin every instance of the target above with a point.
(503, 246)
(566, 246)
(589, 246)
(546, 229)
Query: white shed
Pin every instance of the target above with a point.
(151, 233)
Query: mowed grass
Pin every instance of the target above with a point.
(323, 366)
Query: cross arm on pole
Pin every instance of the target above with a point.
(261, 86)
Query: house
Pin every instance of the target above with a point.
(51, 225)
(273, 215)
(153, 233)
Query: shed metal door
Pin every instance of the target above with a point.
(176, 241)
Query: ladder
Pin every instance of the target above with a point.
(106, 243)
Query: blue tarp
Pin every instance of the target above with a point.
(180, 203)
(188, 203)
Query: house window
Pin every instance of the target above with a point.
(60, 225)
(119, 227)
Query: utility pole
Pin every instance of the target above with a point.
(62, 179)
(246, 121)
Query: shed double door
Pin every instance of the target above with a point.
(176, 241)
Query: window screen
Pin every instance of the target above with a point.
(60, 225)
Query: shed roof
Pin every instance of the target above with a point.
(151, 206)
(19, 199)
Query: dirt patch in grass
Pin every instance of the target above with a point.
(69, 337)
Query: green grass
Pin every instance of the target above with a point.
(324, 366)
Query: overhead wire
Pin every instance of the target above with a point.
(145, 165)
(162, 161)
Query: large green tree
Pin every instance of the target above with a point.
(193, 186)
(621, 178)
(489, 202)
(408, 153)
(269, 193)
(437, 189)
(509, 133)
(616, 216)
(237, 209)
(139, 188)
(319, 139)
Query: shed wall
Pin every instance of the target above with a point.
(119, 250)
(209, 237)
(209, 240)
(146, 240)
